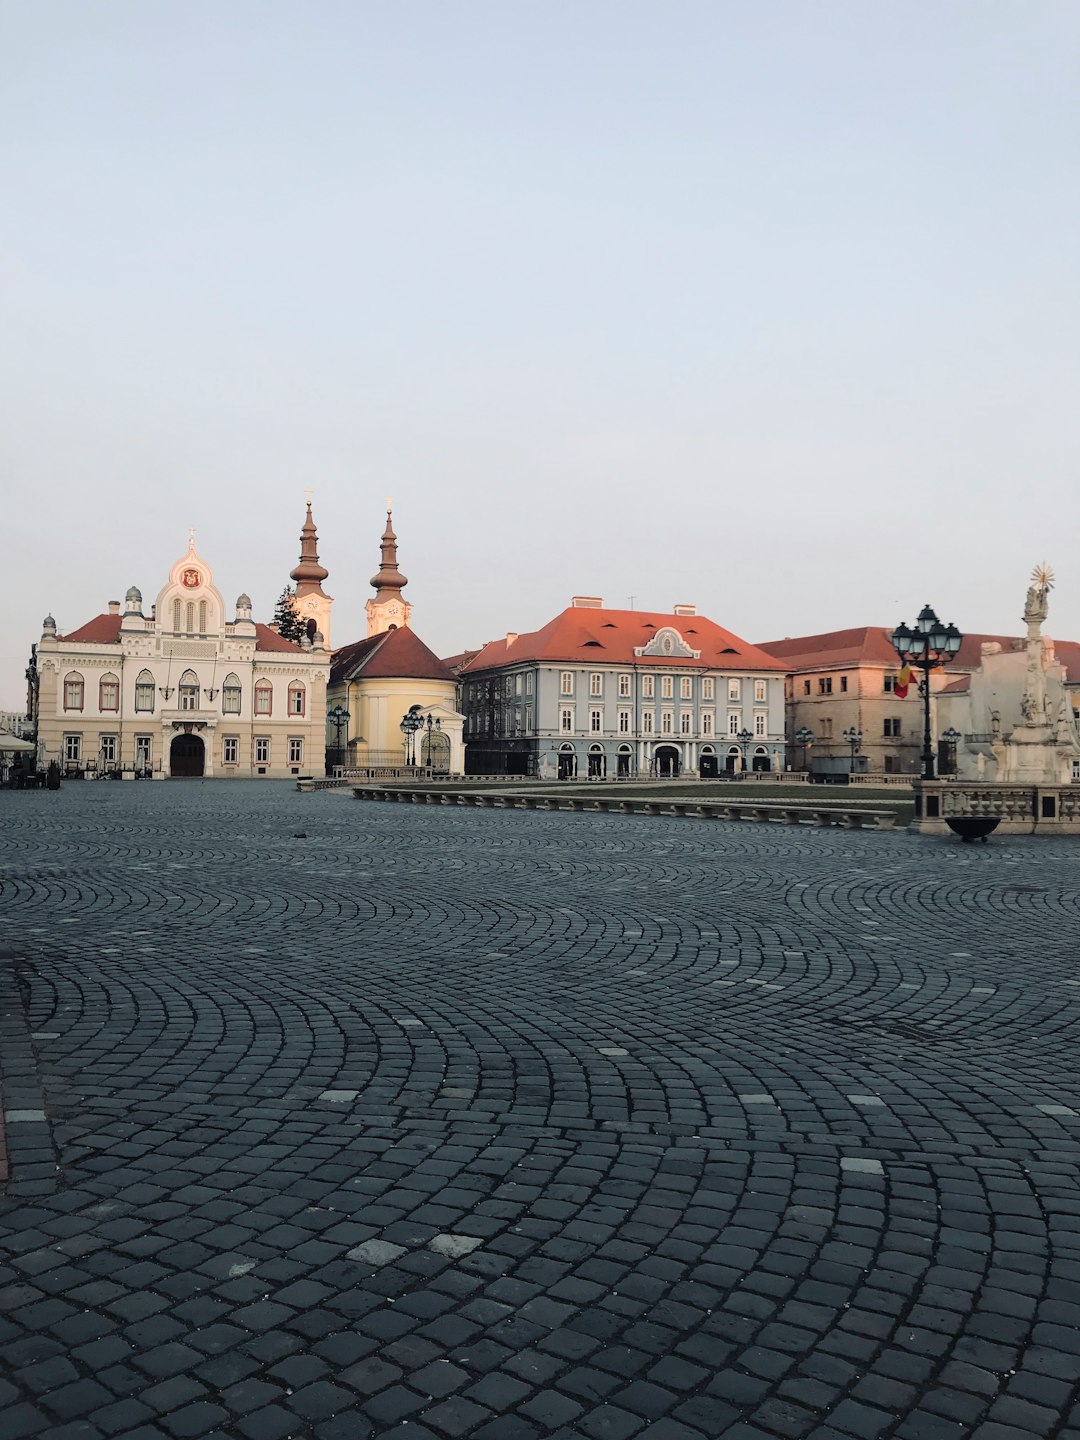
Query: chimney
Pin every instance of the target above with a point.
(114, 607)
(685, 610)
(511, 638)
(586, 602)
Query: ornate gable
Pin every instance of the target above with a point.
(667, 642)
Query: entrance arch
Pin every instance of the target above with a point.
(567, 762)
(435, 752)
(708, 766)
(597, 762)
(761, 761)
(187, 757)
(622, 762)
(667, 761)
(733, 760)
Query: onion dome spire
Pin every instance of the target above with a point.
(309, 574)
(389, 581)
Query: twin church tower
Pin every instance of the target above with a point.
(386, 610)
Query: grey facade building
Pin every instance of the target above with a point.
(622, 693)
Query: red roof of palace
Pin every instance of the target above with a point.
(102, 630)
(611, 637)
(105, 630)
(395, 654)
(1068, 652)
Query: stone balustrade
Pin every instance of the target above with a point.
(1019, 809)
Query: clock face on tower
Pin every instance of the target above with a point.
(190, 578)
(391, 609)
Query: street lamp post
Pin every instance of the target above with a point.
(433, 727)
(804, 737)
(952, 738)
(745, 737)
(929, 643)
(854, 739)
(411, 722)
(339, 718)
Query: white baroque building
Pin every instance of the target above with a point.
(183, 690)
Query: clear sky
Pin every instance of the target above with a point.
(768, 307)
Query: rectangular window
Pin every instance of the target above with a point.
(296, 700)
(264, 697)
(707, 688)
(624, 687)
(624, 722)
(843, 682)
(108, 749)
(706, 722)
(230, 750)
(596, 721)
(647, 723)
(806, 687)
(760, 691)
(144, 749)
(144, 696)
(73, 693)
(528, 682)
(262, 750)
(566, 682)
(892, 765)
(761, 722)
(517, 683)
(528, 720)
(109, 695)
(230, 700)
(667, 721)
(892, 727)
(648, 687)
(566, 720)
(296, 750)
(734, 722)
(517, 719)
(824, 685)
(734, 689)
(889, 684)
(72, 747)
(685, 717)
(667, 687)
(826, 728)
(686, 687)
(596, 683)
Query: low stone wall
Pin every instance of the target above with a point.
(1019, 809)
(848, 817)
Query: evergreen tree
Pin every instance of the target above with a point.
(287, 622)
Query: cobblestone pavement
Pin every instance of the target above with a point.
(445, 1123)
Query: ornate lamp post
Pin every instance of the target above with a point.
(744, 738)
(433, 726)
(929, 643)
(952, 738)
(339, 718)
(804, 737)
(411, 722)
(854, 739)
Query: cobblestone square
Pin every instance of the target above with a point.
(341, 1120)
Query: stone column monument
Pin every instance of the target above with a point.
(1036, 751)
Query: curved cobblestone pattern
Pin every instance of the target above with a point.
(452, 1122)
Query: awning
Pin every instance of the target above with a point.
(12, 742)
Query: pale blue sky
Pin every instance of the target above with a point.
(769, 307)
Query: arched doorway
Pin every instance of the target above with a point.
(187, 756)
(597, 762)
(709, 766)
(435, 752)
(622, 762)
(733, 760)
(667, 761)
(567, 762)
(761, 760)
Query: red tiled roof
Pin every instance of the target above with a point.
(1068, 652)
(960, 686)
(267, 638)
(865, 644)
(395, 654)
(611, 637)
(102, 630)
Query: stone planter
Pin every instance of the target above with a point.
(972, 827)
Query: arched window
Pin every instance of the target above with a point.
(176, 616)
(230, 695)
(74, 688)
(297, 697)
(202, 617)
(109, 692)
(264, 698)
(189, 690)
(144, 691)
(190, 608)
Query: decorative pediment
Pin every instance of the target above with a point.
(668, 643)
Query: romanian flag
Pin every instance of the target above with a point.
(903, 681)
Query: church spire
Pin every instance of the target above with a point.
(388, 608)
(309, 574)
(389, 582)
